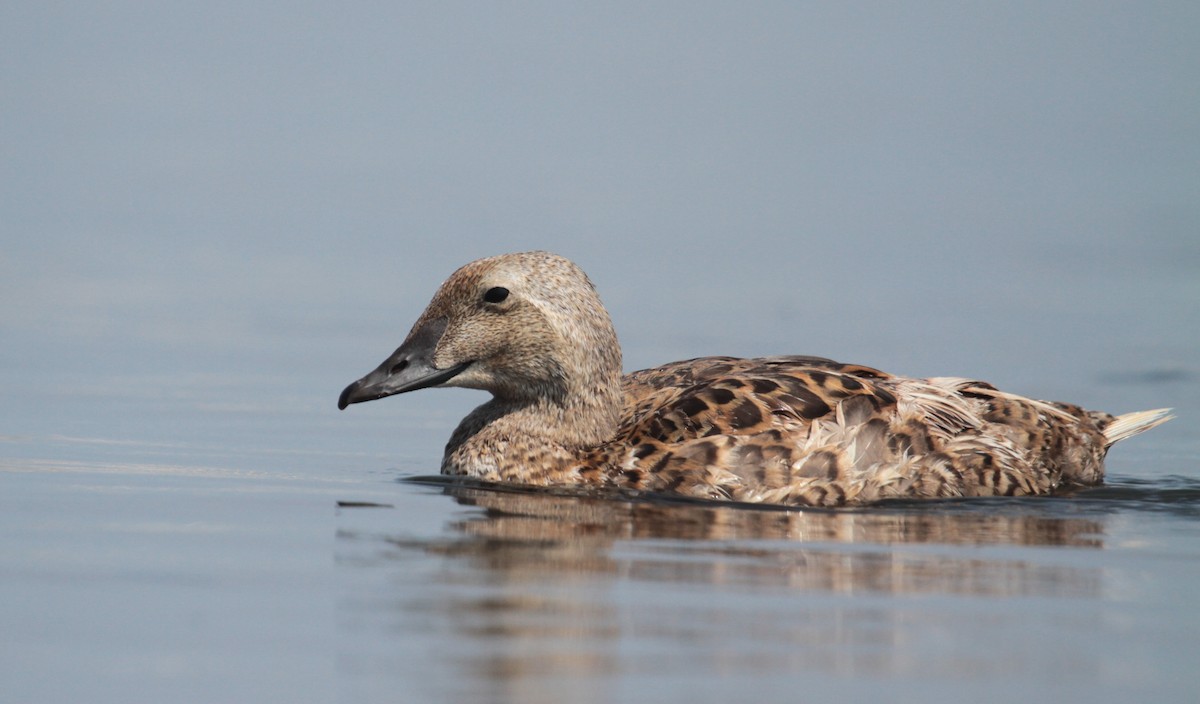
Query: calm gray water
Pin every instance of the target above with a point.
(320, 579)
(214, 216)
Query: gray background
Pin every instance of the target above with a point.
(247, 205)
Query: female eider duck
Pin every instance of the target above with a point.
(809, 431)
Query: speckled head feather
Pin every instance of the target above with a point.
(530, 329)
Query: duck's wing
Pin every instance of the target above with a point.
(689, 372)
(806, 430)
(730, 395)
(722, 427)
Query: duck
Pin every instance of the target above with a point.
(530, 329)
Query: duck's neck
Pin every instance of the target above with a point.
(529, 439)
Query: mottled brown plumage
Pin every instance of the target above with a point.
(531, 329)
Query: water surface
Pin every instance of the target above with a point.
(197, 584)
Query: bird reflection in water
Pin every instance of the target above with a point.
(534, 532)
(535, 586)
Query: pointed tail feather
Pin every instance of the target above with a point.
(1130, 424)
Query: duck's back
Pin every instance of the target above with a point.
(811, 431)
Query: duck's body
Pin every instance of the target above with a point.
(530, 329)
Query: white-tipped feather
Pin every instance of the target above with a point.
(1130, 424)
(936, 400)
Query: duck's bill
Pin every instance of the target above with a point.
(408, 369)
(379, 384)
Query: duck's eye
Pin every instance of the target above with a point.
(495, 295)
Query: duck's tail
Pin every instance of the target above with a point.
(1130, 424)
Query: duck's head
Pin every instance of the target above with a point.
(523, 326)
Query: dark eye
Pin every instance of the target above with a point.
(495, 295)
